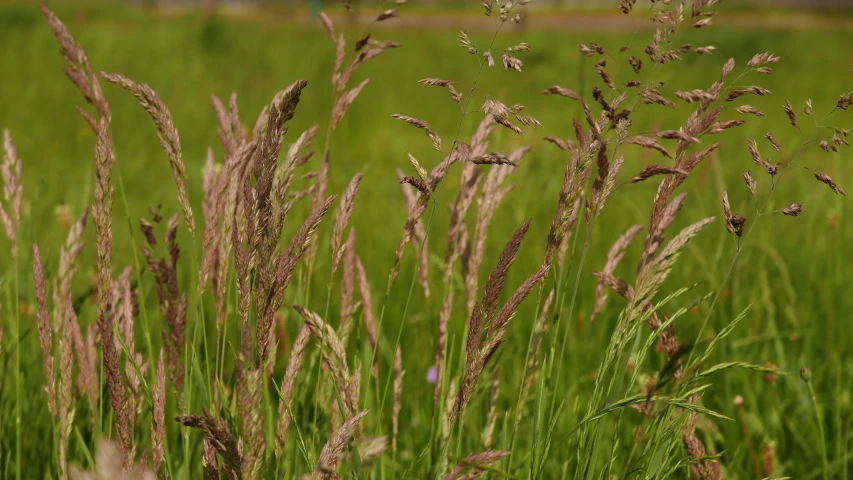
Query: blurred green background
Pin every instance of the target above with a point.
(795, 271)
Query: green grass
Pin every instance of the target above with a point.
(793, 272)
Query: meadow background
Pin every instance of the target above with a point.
(795, 271)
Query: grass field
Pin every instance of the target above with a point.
(793, 273)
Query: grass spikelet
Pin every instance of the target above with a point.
(416, 182)
(510, 62)
(654, 170)
(734, 223)
(794, 209)
(605, 77)
(421, 171)
(390, 13)
(647, 142)
(749, 110)
(494, 158)
(677, 135)
(829, 182)
(789, 111)
(751, 184)
(430, 133)
(488, 58)
(756, 157)
(563, 92)
(773, 142)
(753, 90)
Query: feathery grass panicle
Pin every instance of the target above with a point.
(102, 216)
(210, 178)
(282, 270)
(166, 132)
(230, 129)
(12, 191)
(348, 284)
(288, 382)
(102, 211)
(491, 195)
(246, 202)
(317, 195)
(398, 398)
(172, 302)
(326, 467)
(492, 415)
(251, 415)
(345, 208)
(473, 466)
(415, 205)
(65, 399)
(109, 465)
(334, 358)
(45, 332)
(158, 418)
(576, 173)
(440, 347)
(704, 468)
(219, 435)
(614, 257)
(487, 324)
(344, 101)
(79, 71)
(368, 315)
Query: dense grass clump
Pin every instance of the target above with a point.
(485, 253)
